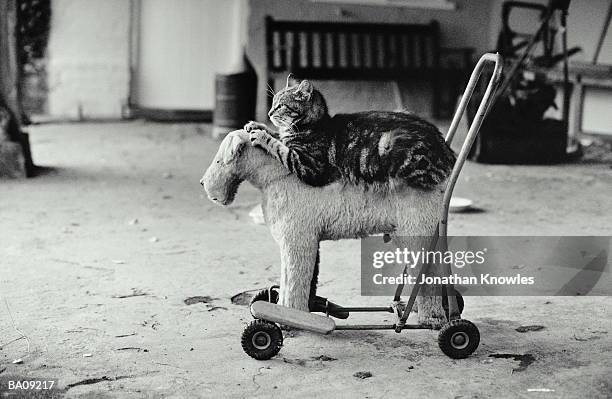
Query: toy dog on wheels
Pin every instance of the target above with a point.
(262, 339)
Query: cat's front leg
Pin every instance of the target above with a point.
(269, 143)
(252, 125)
(260, 138)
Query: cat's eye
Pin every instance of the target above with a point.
(291, 111)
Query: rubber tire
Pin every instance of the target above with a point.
(458, 326)
(261, 326)
(263, 296)
(460, 303)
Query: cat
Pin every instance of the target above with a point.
(373, 147)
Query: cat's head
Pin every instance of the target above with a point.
(298, 104)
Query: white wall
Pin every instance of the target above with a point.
(182, 44)
(88, 55)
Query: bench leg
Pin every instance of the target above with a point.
(575, 117)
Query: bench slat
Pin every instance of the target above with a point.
(350, 46)
(282, 48)
(362, 51)
(323, 62)
(309, 50)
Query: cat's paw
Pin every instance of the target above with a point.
(258, 137)
(252, 125)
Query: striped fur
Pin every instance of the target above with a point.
(367, 147)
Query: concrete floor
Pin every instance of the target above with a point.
(100, 251)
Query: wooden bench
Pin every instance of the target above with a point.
(360, 51)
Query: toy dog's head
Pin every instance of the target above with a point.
(224, 175)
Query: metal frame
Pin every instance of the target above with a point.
(439, 240)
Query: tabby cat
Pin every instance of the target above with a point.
(366, 147)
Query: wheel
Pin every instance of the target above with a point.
(459, 338)
(264, 296)
(262, 340)
(460, 303)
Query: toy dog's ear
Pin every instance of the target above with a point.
(234, 145)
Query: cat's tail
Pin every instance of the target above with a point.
(428, 169)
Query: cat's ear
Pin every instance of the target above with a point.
(291, 81)
(305, 89)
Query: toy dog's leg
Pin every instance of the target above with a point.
(428, 302)
(298, 259)
(415, 231)
(319, 304)
(314, 282)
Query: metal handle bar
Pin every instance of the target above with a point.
(439, 239)
(474, 128)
